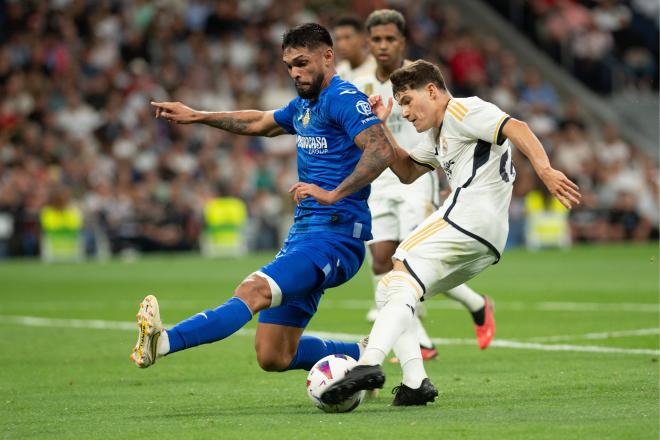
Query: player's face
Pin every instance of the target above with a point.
(387, 45)
(417, 108)
(307, 68)
(348, 42)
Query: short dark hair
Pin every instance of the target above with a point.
(353, 22)
(309, 35)
(386, 16)
(415, 76)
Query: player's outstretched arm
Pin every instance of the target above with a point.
(247, 122)
(377, 154)
(559, 185)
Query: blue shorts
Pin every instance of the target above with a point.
(306, 265)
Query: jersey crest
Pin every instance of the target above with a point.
(447, 167)
(306, 117)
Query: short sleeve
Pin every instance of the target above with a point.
(424, 153)
(284, 116)
(350, 109)
(480, 119)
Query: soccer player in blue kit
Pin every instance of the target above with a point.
(341, 147)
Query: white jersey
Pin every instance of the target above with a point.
(347, 73)
(388, 184)
(476, 158)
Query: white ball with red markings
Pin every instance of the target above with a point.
(326, 372)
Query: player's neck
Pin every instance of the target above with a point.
(358, 60)
(384, 72)
(327, 79)
(442, 103)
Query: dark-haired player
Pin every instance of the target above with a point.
(471, 140)
(341, 147)
(351, 46)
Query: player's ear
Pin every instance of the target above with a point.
(431, 91)
(328, 56)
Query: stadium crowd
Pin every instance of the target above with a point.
(611, 45)
(76, 127)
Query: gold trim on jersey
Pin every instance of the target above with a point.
(456, 110)
(460, 105)
(497, 128)
(422, 234)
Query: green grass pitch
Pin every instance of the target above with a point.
(555, 371)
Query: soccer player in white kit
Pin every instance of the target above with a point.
(397, 209)
(471, 140)
(351, 46)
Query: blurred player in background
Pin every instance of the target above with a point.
(471, 140)
(341, 146)
(397, 209)
(351, 46)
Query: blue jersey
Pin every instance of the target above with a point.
(325, 129)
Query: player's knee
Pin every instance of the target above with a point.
(381, 265)
(398, 286)
(256, 293)
(272, 360)
(382, 291)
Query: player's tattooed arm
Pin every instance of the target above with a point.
(247, 122)
(557, 183)
(377, 154)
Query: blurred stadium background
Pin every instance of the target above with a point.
(86, 171)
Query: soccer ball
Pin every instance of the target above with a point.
(326, 372)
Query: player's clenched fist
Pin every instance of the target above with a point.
(176, 112)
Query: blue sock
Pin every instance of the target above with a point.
(311, 349)
(210, 325)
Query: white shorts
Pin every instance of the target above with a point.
(441, 257)
(394, 218)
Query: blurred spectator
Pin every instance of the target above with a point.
(76, 79)
(598, 40)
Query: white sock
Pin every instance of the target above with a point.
(372, 314)
(376, 279)
(423, 338)
(163, 344)
(466, 296)
(407, 350)
(396, 300)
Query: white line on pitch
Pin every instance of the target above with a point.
(33, 321)
(601, 335)
(365, 304)
(513, 306)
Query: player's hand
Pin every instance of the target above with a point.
(303, 190)
(561, 187)
(379, 108)
(176, 112)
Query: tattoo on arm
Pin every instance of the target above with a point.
(377, 154)
(247, 122)
(233, 125)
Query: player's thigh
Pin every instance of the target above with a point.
(381, 255)
(441, 257)
(412, 212)
(384, 219)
